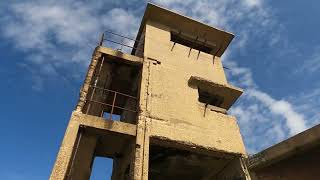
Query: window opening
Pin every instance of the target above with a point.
(192, 43)
(207, 98)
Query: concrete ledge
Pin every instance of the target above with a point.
(228, 92)
(229, 142)
(100, 123)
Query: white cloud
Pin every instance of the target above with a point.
(259, 114)
(36, 24)
(294, 121)
(242, 74)
(121, 21)
(259, 127)
(308, 102)
(58, 34)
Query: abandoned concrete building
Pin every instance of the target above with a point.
(160, 112)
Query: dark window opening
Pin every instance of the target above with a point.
(173, 163)
(192, 43)
(208, 98)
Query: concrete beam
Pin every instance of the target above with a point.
(126, 58)
(100, 123)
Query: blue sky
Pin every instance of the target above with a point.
(45, 47)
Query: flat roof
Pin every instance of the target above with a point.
(297, 144)
(186, 25)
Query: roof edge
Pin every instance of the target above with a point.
(146, 14)
(287, 148)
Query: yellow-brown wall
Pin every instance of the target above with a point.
(173, 106)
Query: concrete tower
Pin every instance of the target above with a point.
(159, 112)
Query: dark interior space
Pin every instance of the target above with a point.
(171, 163)
(114, 90)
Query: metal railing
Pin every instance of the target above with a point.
(113, 106)
(119, 42)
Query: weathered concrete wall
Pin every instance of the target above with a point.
(173, 106)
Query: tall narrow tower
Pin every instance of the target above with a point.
(159, 112)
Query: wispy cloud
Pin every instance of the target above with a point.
(253, 3)
(308, 103)
(260, 115)
(54, 34)
(311, 64)
(294, 121)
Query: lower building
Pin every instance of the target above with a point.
(296, 158)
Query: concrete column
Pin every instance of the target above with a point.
(141, 155)
(141, 150)
(63, 160)
(146, 145)
(121, 164)
(68, 166)
(84, 154)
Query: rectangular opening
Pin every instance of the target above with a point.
(114, 90)
(211, 99)
(100, 154)
(172, 163)
(101, 168)
(192, 43)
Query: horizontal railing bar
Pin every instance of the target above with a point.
(111, 106)
(113, 91)
(108, 31)
(122, 44)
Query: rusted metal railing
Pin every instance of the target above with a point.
(119, 40)
(113, 106)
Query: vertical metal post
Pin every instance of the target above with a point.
(113, 103)
(102, 112)
(205, 41)
(101, 39)
(122, 42)
(174, 43)
(191, 48)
